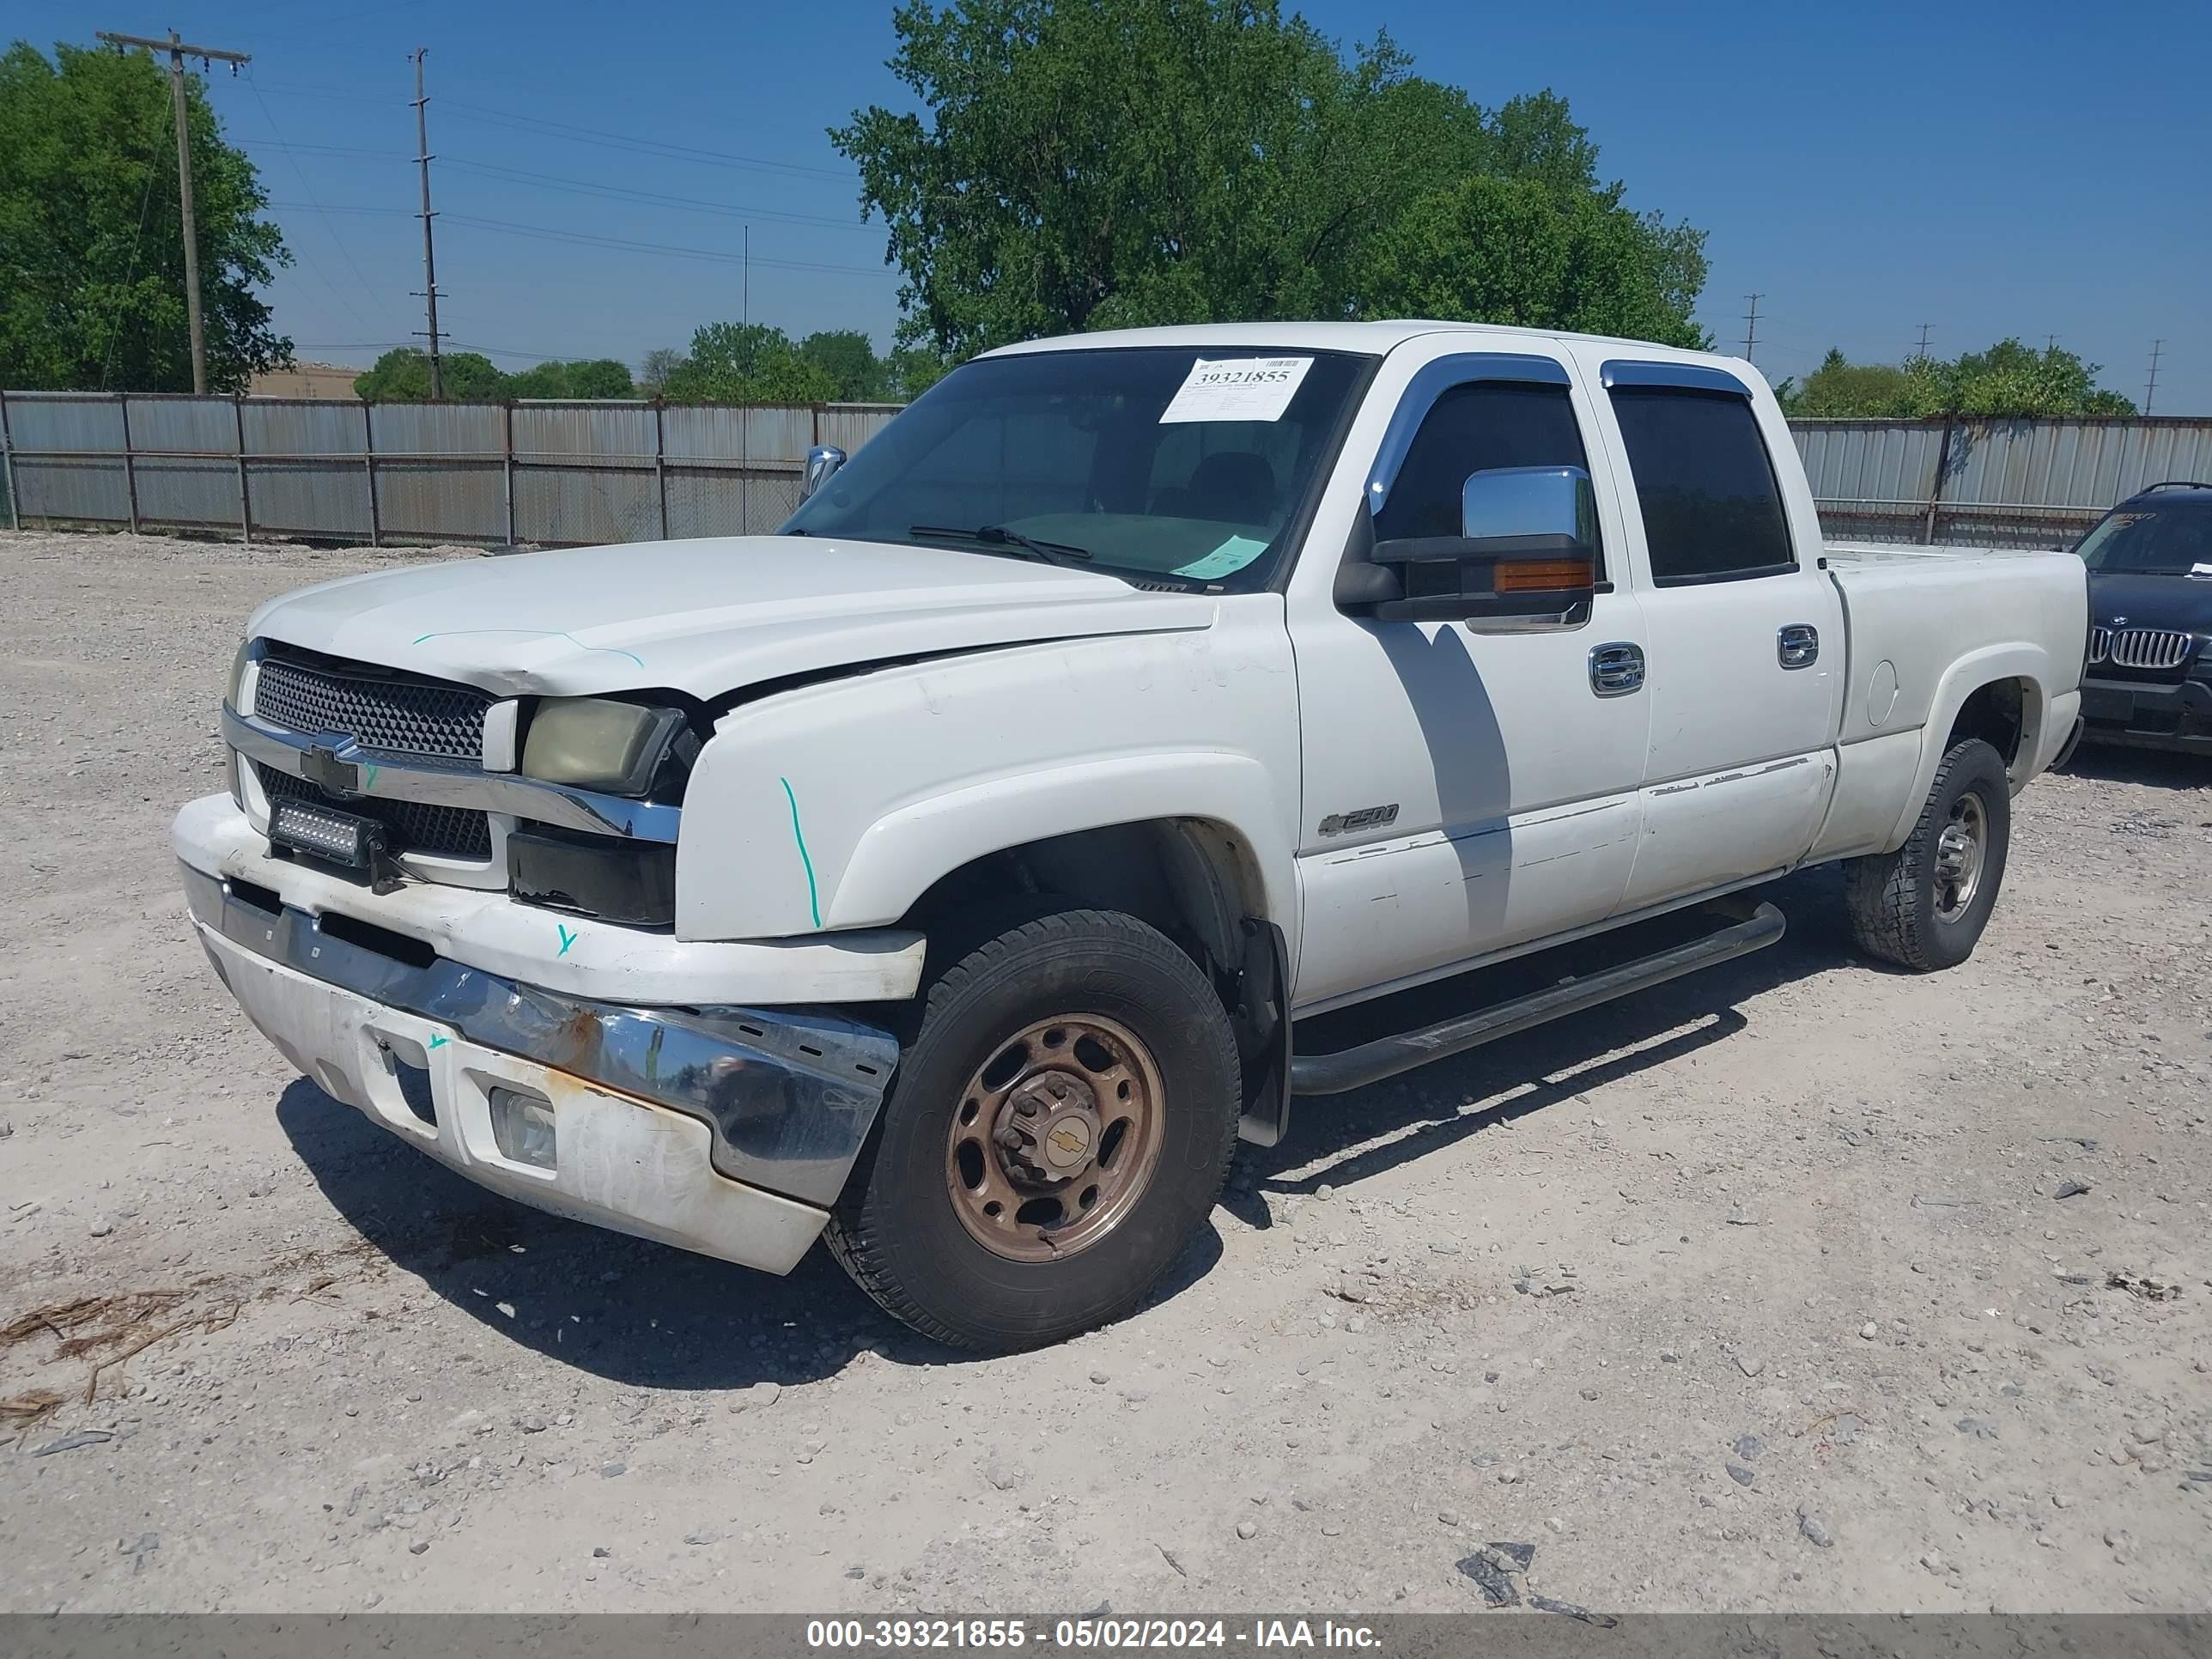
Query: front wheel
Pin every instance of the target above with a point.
(1058, 1131)
(1923, 906)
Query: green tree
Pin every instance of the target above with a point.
(657, 366)
(2009, 381)
(1842, 389)
(1511, 250)
(402, 376)
(848, 356)
(92, 261)
(1098, 163)
(598, 377)
(909, 371)
(748, 363)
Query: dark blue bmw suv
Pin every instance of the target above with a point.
(2148, 679)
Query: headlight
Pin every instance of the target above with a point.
(593, 743)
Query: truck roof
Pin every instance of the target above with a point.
(1371, 339)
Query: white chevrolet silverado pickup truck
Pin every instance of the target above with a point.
(958, 871)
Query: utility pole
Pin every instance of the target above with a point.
(178, 52)
(1751, 325)
(745, 414)
(429, 255)
(2151, 391)
(1922, 349)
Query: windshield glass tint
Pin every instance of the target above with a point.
(2174, 540)
(1157, 462)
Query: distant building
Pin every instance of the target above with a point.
(307, 381)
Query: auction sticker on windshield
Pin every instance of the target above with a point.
(1236, 389)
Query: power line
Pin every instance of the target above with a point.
(2151, 391)
(655, 198)
(646, 146)
(1751, 325)
(624, 245)
(329, 229)
(319, 207)
(130, 274)
(298, 89)
(617, 244)
(460, 345)
(326, 149)
(177, 51)
(430, 256)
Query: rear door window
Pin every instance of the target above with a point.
(1713, 510)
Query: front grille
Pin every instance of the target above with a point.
(2140, 648)
(388, 714)
(449, 832)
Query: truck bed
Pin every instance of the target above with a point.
(1914, 614)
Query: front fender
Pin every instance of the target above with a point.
(903, 855)
(818, 808)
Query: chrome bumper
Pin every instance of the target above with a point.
(787, 1095)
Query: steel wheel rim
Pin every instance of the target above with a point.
(1962, 849)
(1055, 1138)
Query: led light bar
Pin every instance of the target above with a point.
(340, 837)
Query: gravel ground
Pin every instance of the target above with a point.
(1799, 1286)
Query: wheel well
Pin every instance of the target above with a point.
(1189, 877)
(1998, 714)
(1192, 878)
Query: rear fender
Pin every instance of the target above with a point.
(2018, 660)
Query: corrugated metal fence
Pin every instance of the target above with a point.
(551, 474)
(1991, 483)
(578, 473)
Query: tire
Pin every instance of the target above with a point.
(1904, 905)
(1004, 1031)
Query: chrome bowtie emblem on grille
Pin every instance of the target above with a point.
(323, 766)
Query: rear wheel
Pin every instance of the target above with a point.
(1058, 1131)
(1924, 905)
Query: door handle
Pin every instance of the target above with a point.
(1617, 669)
(1797, 646)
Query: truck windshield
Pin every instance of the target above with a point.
(1161, 463)
(2174, 540)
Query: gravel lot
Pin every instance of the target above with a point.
(1764, 1290)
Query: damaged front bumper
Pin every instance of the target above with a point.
(728, 1131)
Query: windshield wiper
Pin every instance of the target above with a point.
(997, 535)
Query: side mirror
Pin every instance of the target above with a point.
(1526, 551)
(822, 461)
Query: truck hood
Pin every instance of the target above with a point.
(707, 616)
(2151, 601)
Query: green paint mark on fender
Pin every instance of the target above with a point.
(813, 897)
(568, 938)
(437, 1042)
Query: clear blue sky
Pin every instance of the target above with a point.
(2028, 170)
